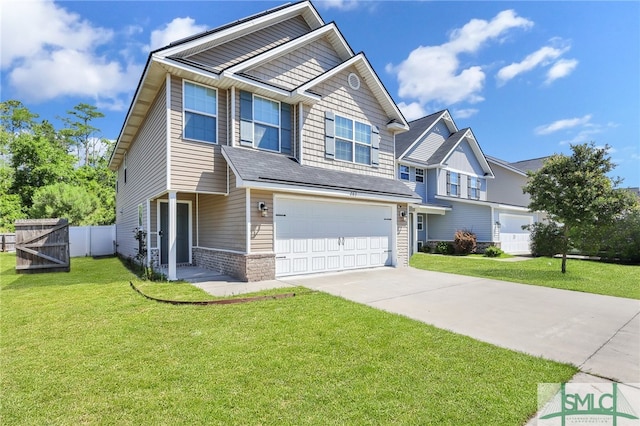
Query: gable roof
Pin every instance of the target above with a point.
(505, 164)
(448, 146)
(419, 128)
(262, 169)
(532, 165)
(174, 59)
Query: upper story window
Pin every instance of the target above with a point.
(353, 141)
(419, 175)
(403, 172)
(200, 112)
(453, 184)
(265, 123)
(474, 185)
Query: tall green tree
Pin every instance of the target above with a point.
(81, 132)
(61, 199)
(577, 192)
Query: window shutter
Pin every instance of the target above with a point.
(375, 146)
(448, 183)
(246, 118)
(468, 186)
(285, 128)
(329, 135)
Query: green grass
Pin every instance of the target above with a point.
(84, 348)
(582, 275)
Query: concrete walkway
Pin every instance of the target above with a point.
(598, 334)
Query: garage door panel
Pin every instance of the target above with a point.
(331, 236)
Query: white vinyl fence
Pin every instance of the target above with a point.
(92, 240)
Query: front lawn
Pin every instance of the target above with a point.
(582, 275)
(84, 348)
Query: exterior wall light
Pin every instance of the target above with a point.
(403, 215)
(262, 208)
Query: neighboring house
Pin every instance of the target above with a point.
(260, 149)
(461, 188)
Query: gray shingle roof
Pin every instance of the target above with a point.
(416, 128)
(260, 166)
(446, 147)
(529, 165)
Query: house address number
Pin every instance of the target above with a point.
(353, 194)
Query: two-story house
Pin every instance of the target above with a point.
(460, 187)
(260, 149)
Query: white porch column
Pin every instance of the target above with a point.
(172, 274)
(414, 228)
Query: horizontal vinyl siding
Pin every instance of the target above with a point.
(197, 166)
(432, 184)
(261, 227)
(474, 217)
(424, 149)
(507, 187)
(359, 105)
(464, 160)
(235, 51)
(222, 220)
(146, 174)
(298, 67)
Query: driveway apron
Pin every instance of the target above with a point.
(598, 334)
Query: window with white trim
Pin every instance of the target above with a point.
(353, 141)
(200, 112)
(453, 184)
(403, 172)
(420, 222)
(419, 175)
(265, 123)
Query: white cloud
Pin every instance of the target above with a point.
(561, 69)
(412, 111)
(55, 55)
(563, 124)
(540, 57)
(175, 30)
(464, 113)
(433, 74)
(339, 4)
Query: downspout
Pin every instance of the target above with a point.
(168, 129)
(300, 122)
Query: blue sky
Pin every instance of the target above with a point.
(529, 78)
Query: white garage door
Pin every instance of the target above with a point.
(514, 239)
(319, 236)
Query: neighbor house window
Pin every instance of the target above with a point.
(353, 141)
(453, 184)
(474, 185)
(404, 172)
(420, 222)
(200, 112)
(419, 175)
(264, 123)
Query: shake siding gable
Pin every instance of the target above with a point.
(339, 98)
(296, 68)
(236, 51)
(146, 174)
(197, 166)
(424, 149)
(463, 159)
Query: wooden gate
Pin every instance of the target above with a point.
(42, 245)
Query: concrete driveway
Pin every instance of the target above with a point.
(598, 334)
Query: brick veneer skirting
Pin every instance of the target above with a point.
(246, 267)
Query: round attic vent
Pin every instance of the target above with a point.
(354, 81)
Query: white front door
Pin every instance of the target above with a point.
(317, 236)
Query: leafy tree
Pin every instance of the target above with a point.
(65, 200)
(38, 162)
(81, 133)
(576, 191)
